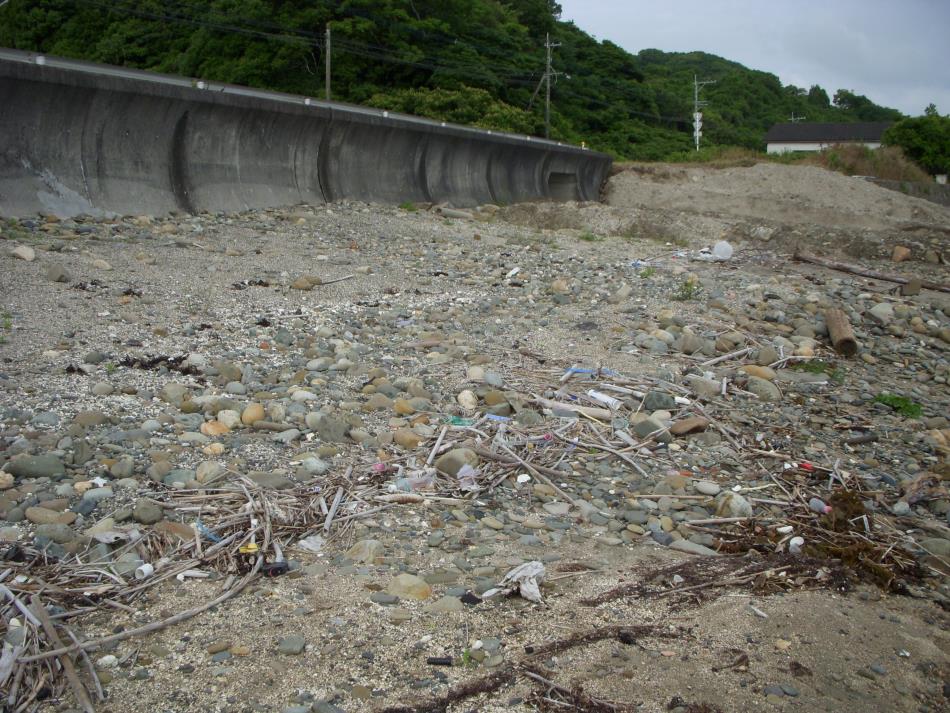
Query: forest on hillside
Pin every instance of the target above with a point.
(477, 62)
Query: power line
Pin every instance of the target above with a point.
(305, 38)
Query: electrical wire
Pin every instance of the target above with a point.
(347, 45)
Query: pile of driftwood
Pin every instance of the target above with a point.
(236, 532)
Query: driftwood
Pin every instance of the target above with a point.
(839, 329)
(69, 669)
(863, 272)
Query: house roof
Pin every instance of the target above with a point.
(827, 133)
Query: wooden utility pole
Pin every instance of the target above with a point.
(548, 74)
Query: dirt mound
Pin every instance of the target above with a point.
(770, 192)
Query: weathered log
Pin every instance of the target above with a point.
(873, 274)
(840, 331)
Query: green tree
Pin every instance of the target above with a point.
(818, 97)
(924, 139)
(863, 108)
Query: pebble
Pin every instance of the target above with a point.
(706, 487)
(409, 586)
(43, 466)
(291, 645)
(24, 252)
(366, 551)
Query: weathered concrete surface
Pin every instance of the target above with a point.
(77, 137)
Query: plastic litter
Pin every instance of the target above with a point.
(144, 571)
(274, 569)
(721, 252)
(205, 532)
(795, 545)
(110, 537)
(313, 543)
(416, 480)
(459, 421)
(525, 579)
(583, 370)
(468, 477)
(819, 506)
(602, 398)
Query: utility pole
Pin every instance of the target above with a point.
(697, 105)
(327, 52)
(548, 74)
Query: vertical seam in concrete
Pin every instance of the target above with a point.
(545, 178)
(178, 167)
(82, 149)
(488, 175)
(323, 158)
(421, 168)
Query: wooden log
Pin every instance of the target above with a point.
(839, 328)
(873, 274)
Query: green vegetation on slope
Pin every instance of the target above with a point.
(471, 61)
(925, 139)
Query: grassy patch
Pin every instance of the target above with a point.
(408, 206)
(589, 237)
(903, 405)
(688, 290)
(647, 272)
(11, 230)
(817, 366)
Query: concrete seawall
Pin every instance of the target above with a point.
(77, 137)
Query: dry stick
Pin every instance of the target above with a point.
(418, 498)
(338, 279)
(585, 410)
(485, 453)
(100, 694)
(719, 427)
(435, 448)
(19, 605)
(621, 456)
(155, 625)
(725, 520)
(731, 355)
(333, 507)
(79, 691)
(863, 272)
(540, 476)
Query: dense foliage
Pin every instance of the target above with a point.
(925, 139)
(470, 61)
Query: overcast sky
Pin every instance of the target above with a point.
(895, 52)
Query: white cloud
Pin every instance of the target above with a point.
(895, 53)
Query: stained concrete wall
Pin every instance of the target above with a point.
(77, 137)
